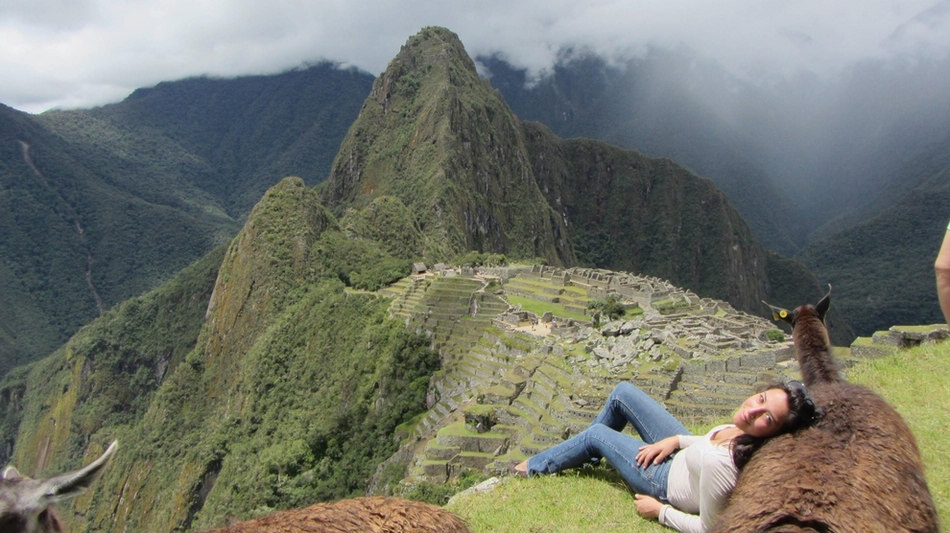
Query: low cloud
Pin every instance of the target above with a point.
(90, 52)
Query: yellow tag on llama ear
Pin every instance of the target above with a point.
(780, 315)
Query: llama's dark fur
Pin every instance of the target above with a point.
(856, 470)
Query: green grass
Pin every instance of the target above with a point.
(592, 499)
(539, 308)
(596, 499)
(917, 383)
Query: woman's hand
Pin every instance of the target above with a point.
(647, 506)
(658, 451)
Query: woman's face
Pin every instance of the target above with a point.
(762, 414)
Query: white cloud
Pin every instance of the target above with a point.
(89, 52)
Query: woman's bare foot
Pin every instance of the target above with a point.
(521, 468)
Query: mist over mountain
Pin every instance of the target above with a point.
(792, 154)
(658, 105)
(881, 258)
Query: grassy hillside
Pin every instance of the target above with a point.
(597, 500)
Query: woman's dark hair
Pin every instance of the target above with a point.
(802, 412)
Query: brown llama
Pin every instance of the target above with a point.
(857, 469)
(376, 514)
(26, 504)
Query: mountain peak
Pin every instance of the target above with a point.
(439, 139)
(434, 46)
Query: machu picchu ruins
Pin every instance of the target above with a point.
(524, 364)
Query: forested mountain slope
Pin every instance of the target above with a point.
(85, 227)
(881, 261)
(103, 204)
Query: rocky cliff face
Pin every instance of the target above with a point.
(638, 214)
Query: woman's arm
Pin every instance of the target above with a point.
(942, 268)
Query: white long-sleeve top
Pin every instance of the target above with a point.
(702, 475)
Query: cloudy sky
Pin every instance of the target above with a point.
(81, 53)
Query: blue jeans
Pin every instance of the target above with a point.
(603, 439)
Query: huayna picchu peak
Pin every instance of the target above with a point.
(436, 137)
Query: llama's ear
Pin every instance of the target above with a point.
(780, 314)
(73, 483)
(10, 472)
(822, 307)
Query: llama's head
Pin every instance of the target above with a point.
(818, 310)
(25, 503)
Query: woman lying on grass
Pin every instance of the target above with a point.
(680, 479)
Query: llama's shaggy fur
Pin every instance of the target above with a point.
(371, 515)
(856, 470)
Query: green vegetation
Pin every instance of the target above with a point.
(479, 259)
(881, 275)
(111, 368)
(134, 192)
(612, 309)
(596, 499)
(439, 493)
(359, 263)
(286, 388)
